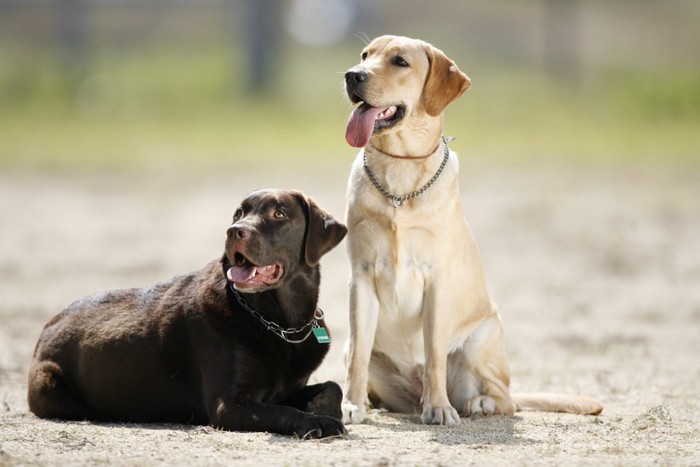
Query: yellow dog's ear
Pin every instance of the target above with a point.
(444, 84)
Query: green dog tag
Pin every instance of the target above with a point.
(322, 336)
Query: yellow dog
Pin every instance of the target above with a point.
(425, 335)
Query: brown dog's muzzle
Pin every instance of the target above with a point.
(239, 232)
(243, 252)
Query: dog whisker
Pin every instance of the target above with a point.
(363, 37)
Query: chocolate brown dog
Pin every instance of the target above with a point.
(232, 345)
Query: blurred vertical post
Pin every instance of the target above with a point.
(562, 48)
(71, 29)
(262, 40)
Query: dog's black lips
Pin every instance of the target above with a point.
(355, 98)
(391, 121)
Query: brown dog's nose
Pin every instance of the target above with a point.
(238, 231)
(353, 78)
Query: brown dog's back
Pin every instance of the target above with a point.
(111, 347)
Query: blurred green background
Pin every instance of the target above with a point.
(101, 84)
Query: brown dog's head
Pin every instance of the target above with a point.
(274, 235)
(399, 82)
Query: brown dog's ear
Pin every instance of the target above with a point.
(444, 84)
(323, 231)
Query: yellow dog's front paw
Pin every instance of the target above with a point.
(352, 413)
(440, 416)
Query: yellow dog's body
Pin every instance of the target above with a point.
(424, 333)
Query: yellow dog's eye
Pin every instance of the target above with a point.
(399, 61)
(364, 55)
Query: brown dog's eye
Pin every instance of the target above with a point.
(237, 215)
(364, 55)
(279, 214)
(399, 61)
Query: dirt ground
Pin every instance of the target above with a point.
(596, 272)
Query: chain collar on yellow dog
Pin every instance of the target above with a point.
(318, 331)
(397, 200)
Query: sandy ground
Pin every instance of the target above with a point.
(596, 271)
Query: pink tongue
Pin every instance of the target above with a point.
(361, 125)
(240, 274)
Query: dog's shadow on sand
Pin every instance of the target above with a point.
(475, 430)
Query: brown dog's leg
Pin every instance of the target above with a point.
(319, 399)
(234, 416)
(50, 397)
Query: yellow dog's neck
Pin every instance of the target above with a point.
(417, 141)
(396, 156)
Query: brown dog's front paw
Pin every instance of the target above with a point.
(315, 427)
(329, 409)
(327, 402)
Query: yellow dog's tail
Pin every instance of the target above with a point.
(549, 402)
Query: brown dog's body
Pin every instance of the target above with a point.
(425, 334)
(188, 350)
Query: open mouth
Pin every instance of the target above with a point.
(366, 120)
(245, 274)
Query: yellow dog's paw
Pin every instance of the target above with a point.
(481, 405)
(353, 413)
(440, 416)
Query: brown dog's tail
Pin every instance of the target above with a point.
(548, 402)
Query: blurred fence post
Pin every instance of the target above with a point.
(562, 48)
(262, 42)
(71, 29)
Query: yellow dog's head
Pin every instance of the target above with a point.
(399, 82)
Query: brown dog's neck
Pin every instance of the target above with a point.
(294, 303)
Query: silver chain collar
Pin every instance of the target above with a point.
(276, 328)
(396, 200)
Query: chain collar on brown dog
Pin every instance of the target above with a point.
(397, 200)
(319, 331)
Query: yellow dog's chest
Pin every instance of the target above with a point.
(402, 269)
